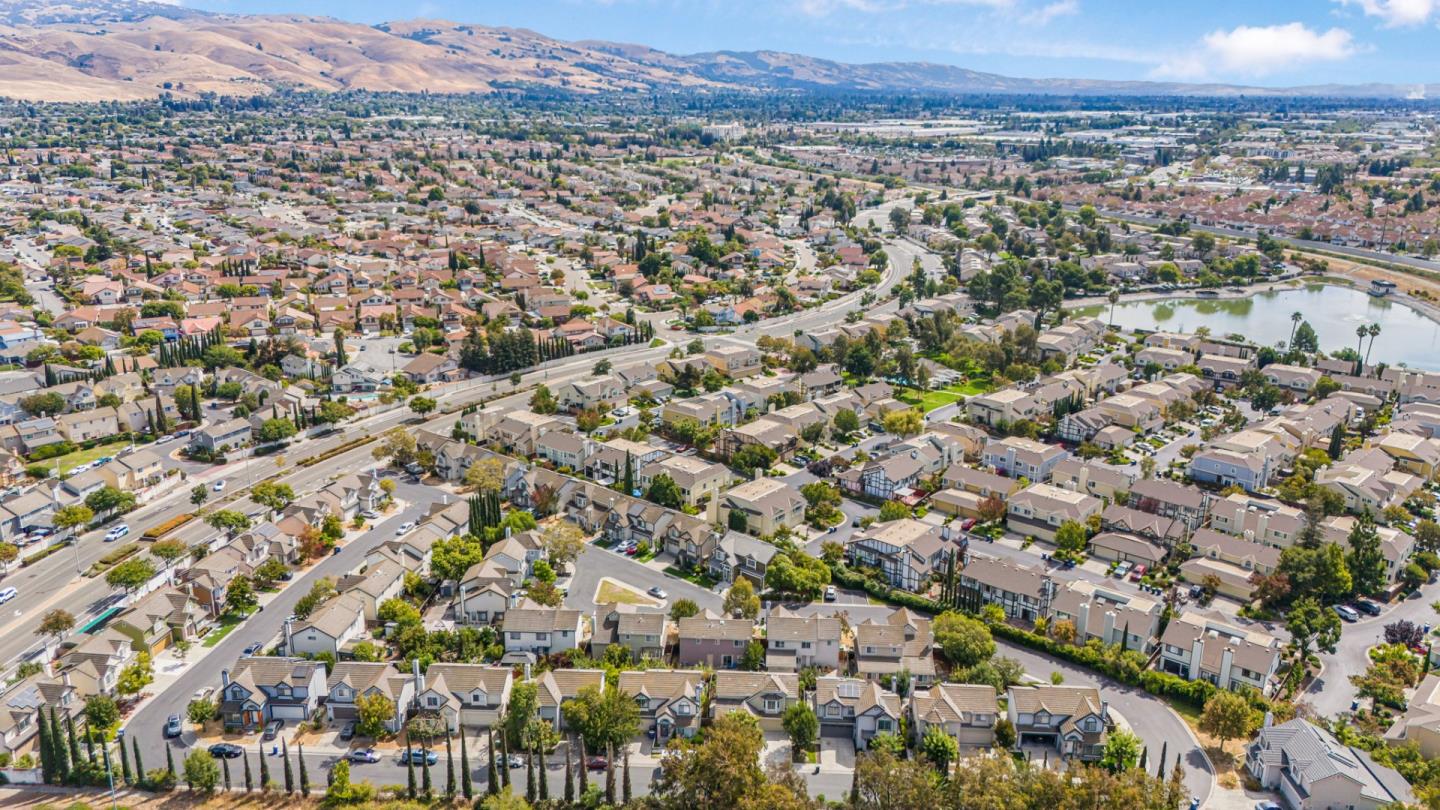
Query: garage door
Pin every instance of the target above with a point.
(837, 730)
(287, 712)
(348, 712)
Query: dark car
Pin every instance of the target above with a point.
(347, 731)
(173, 726)
(252, 649)
(226, 750)
(420, 757)
(597, 763)
(1367, 606)
(272, 730)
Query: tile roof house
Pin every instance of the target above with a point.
(532, 628)
(1071, 719)
(641, 631)
(468, 695)
(351, 680)
(669, 700)
(710, 641)
(763, 695)
(856, 708)
(259, 689)
(793, 643)
(906, 551)
(966, 712)
(556, 686)
(902, 642)
(1198, 646)
(1315, 771)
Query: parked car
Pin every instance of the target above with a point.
(363, 755)
(829, 593)
(515, 761)
(420, 757)
(117, 532)
(226, 750)
(659, 592)
(272, 730)
(1137, 573)
(1122, 569)
(1368, 607)
(347, 731)
(1347, 613)
(173, 727)
(1266, 805)
(967, 524)
(597, 763)
(203, 693)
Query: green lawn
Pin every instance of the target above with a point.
(75, 459)
(930, 400)
(228, 622)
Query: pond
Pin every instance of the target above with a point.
(1406, 337)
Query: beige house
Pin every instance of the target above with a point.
(699, 481)
(966, 712)
(766, 503)
(1041, 509)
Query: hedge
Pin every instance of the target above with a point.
(112, 559)
(159, 530)
(42, 554)
(334, 451)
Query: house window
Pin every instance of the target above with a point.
(772, 706)
(432, 701)
(883, 724)
(832, 711)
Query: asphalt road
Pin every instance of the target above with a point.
(1332, 693)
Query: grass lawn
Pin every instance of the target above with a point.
(699, 578)
(228, 622)
(612, 591)
(72, 460)
(930, 400)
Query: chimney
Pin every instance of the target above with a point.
(460, 614)
(419, 677)
(224, 678)
(527, 670)
(1269, 719)
(1105, 710)
(289, 639)
(65, 677)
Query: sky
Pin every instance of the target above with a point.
(1258, 42)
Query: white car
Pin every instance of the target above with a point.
(117, 532)
(7, 594)
(405, 527)
(219, 485)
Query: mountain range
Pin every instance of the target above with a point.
(74, 50)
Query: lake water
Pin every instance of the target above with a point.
(1406, 337)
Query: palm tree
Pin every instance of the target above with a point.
(1114, 298)
(1360, 331)
(1374, 332)
(1295, 319)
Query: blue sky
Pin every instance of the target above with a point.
(1265, 42)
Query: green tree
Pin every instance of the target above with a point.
(1227, 716)
(272, 496)
(373, 712)
(940, 748)
(720, 773)
(803, 727)
(602, 718)
(683, 608)
(1366, 560)
(1122, 751)
(55, 623)
(130, 574)
(742, 599)
(229, 521)
(1071, 537)
(68, 518)
(240, 595)
(275, 430)
(664, 491)
(1311, 627)
(964, 641)
(201, 771)
(137, 676)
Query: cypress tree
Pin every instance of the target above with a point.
(57, 747)
(530, 777)
(409, 770)
(1164, 752)
(569, 777)
(289, 773)
(249, 780)
(225, 770)
(125, 765)
(544, 785)
(139, 763)
(854, 791)
(89, 748)
(625, 774)
(74, 746)
(304, 775)
(505, 758)
(47, 755)
(492, 779)
(264, 772)
(467, 789)
(584, 773)
(425, 784)
(610, 775)
(1144, 757)
(105, 753)
(169, 762)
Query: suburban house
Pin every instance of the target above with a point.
(767, 504)
(741, 555)
(900, 643)
(906, 551)
(351, 680)
(669, 700)
(1420, 724)
(856, 708)
(1024, 593)
(542, 630)
(1313, 770)
(1071, 719)
(329, 629)
(469, 695)
(966, 712)
(1040, 509)
(259, 689)
(793, 643)
(1197, 647)
(640, 630)
(1017, 456)
(556, 686)
(713, 642)
(763, 695)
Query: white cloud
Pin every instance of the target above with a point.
(1397, 13)
(1046, 13)
(1258, 50)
